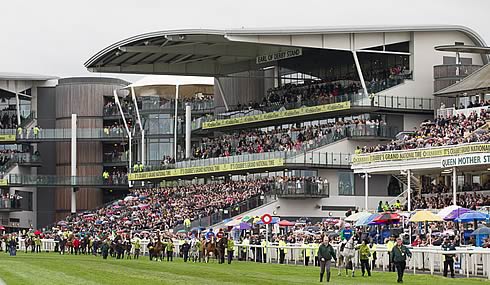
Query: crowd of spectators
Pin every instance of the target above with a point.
(9, 201)
(115, 177)
(111, 108)
(8, 118)
(287, 139)
(163, 208)
(466, 200)
(474, 104)
(116, 129)
(441, 132)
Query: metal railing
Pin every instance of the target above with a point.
(300, 188)
(454, 70)
(357, 100)
(232, 211)
(60, 134)
(9, 204)
(54, 180)
(155, 105)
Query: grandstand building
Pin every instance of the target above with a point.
(290, 103)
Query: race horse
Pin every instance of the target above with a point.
(347, 257)
(220, 249)
(157, 250)
(69, 244)
(209, 248)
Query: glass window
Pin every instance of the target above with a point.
(26, 201)
(346, 183)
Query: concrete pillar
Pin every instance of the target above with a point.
(188, 130)
(409, 190)
(176, 115)
(366, 191)
(455, 185)
(73, 161)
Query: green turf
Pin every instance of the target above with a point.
(50, 268)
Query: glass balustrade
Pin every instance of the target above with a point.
(54, 180)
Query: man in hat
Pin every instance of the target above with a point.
(447, 245)
(399, 255)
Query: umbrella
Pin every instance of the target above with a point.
(244, 226)
(247, 219)
(481, 231)
(386, 218)
(447, 210)
(37, 232)
(2, 228)
(365, 220)
(425, 216)
(456, 213)
(471, 216)
(357, 216)
(286, 223)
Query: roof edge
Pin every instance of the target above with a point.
(475, 37)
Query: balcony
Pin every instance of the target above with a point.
(448, 74)
(64, 181)
(302, 189)
(10, 205)
(358, 103)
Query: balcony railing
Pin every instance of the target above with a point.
(357, 100)
(9, 204)
(454, 70)
(294, 189)
(62, 134)
(54, 180)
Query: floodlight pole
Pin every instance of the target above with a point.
(73, 162)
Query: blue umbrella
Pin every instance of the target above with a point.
(471, 216)
(364, 221)
(481, 231)
(456, 213)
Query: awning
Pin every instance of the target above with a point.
(475, 83)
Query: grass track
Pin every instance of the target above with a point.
(51, 268)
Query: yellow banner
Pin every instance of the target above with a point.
(206, 169)
(4, 182)
(420, 153)
(278, 115)
(7, 138)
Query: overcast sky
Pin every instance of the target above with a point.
(55, 37)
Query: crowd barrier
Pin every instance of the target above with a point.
(471, 261)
